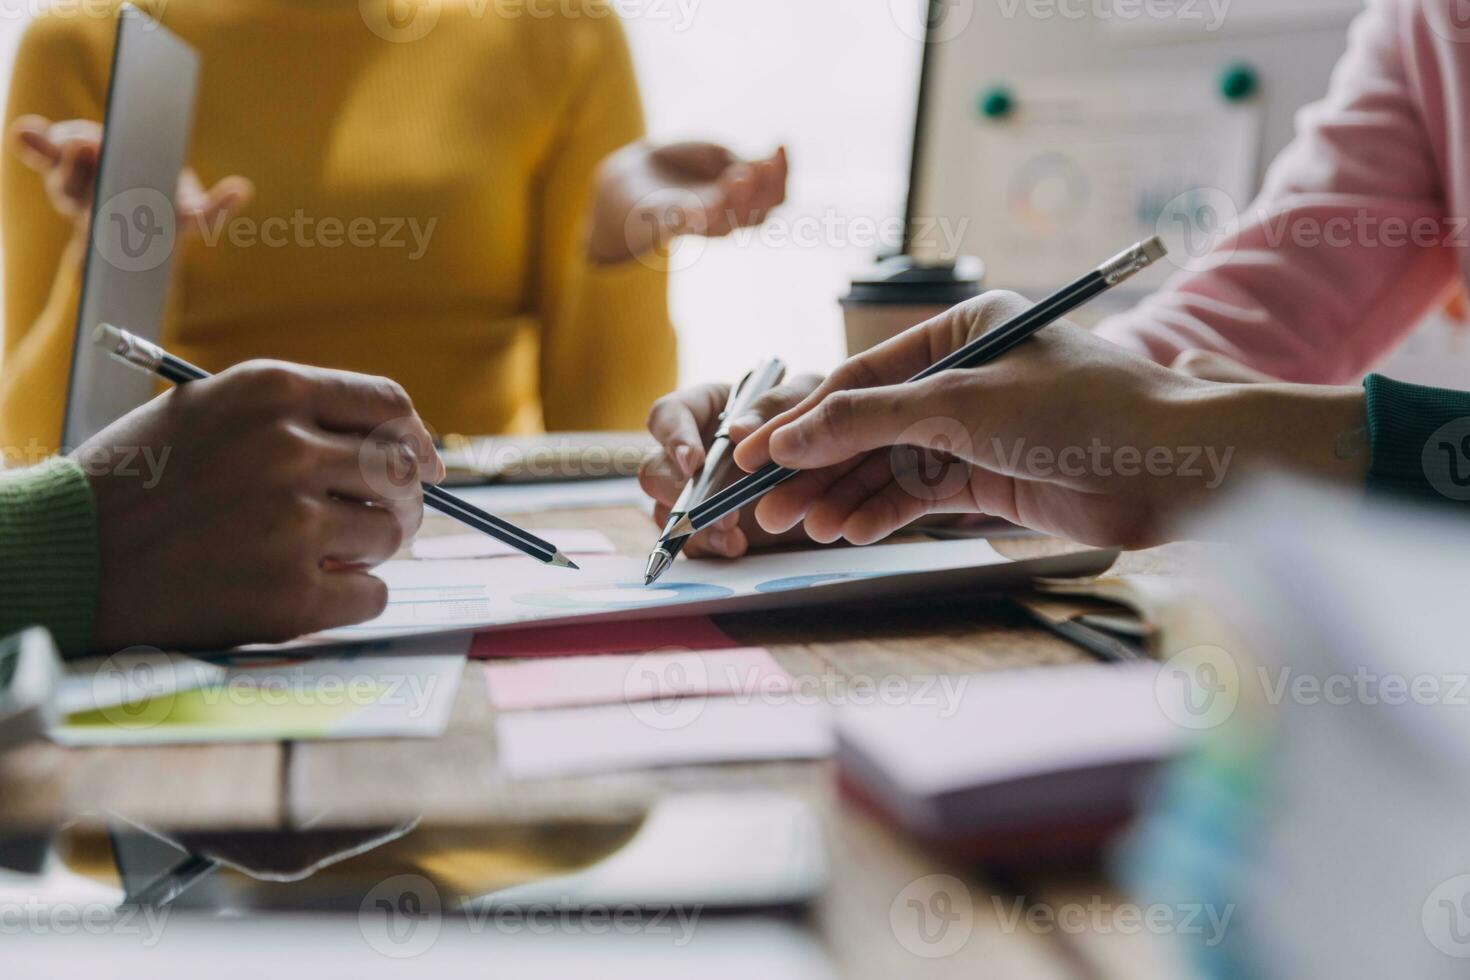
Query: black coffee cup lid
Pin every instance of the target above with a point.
(902, 280)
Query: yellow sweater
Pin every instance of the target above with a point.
(419, 209)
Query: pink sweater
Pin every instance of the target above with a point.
(1362, 223)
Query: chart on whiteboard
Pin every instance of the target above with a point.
(1082, 167)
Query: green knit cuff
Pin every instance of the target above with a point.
(48, 552)
(1420, 440)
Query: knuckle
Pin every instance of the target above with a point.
(304, 515)
(837, 413)
(660, 408)
(291, 451)
(391, 394)
(272, 385)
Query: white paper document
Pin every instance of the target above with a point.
(441, 596)
(477, 545)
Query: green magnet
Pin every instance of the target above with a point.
(996, 103)
(1239, 82)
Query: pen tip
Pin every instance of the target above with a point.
(658, 563)
(562, 561)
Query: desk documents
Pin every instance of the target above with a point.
(480, 595)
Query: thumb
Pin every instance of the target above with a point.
(850, 422)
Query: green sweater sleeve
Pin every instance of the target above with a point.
(48, 552)
(1419, 438)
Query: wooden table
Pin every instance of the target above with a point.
(454, 786)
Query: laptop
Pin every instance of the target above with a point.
(150, 108)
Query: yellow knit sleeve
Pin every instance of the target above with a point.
(607, 346)
(56, 74)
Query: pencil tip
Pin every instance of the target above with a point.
(562, 561)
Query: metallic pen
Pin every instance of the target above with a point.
(717, 458)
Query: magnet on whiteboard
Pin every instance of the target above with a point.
(1239, 82)
(996, 102)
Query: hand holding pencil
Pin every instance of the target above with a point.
(1068, 434)
(685, 423)
(147, 356)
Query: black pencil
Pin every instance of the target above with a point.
(979, 351)
(148, 356)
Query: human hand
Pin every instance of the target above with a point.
(66, 153)
(683, 423)
(649, 195)
(1067, 434)
(248, 507)
(1209, 366)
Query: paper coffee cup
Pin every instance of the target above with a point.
(901, 292)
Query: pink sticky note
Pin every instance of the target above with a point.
(622, 678)
(638, 636)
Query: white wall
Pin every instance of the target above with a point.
(835, 80)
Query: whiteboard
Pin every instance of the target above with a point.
(1128, 64)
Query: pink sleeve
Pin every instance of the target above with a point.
(1346, 248)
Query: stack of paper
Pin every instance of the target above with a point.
(1047, 761)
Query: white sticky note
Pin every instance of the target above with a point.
(476, 545)
(652, 734)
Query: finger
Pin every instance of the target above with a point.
(727, 543)
(695, 160)
(786, 506)
(359, 535)
(73, 177)
(893, 361)
(766, 193)
(893, 507)
(710, 543)
(189, 198)
(851, 422)
(346, 597)
(745, 198)
(354, 403)
(30, 139)
(680, 422)
(827, 515)
(769, 405)
(781, 173)
(659, 478)
(207, 211)
(386, 474)
(732, 200)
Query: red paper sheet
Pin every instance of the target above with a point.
(634, 636)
